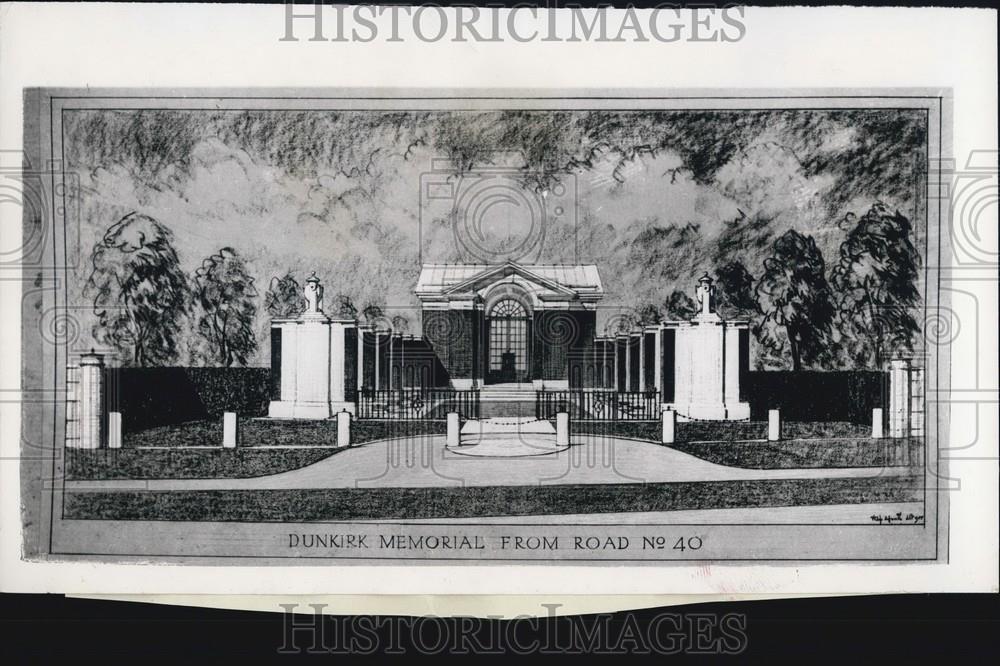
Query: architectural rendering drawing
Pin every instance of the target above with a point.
(479, 327)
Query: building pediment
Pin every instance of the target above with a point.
(546, 283)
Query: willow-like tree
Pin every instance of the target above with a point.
(225, 294)
(876, 283)
(794, 299)
(139, 291)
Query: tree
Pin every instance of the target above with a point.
(372, 314)
(876, 283)
(400, 323)
(734, 290)
(794, 298)
(284, 297)
(680, 306)
(648, 315)
(344, 307)
(140, 292)
(225, 294)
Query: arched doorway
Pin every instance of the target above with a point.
(509, 346)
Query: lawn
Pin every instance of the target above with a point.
(475, 502)
(181, 451)
(723, 431)
(744, 444)
(188, 463)
(804, 453)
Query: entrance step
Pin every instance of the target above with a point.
(506, 408)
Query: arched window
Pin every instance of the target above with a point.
(508, 340)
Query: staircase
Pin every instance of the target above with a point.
(507, 400)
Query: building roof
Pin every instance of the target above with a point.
(571, 280)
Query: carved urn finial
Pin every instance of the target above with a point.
(314, 295)
(705, 292)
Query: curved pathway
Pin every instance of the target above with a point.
(425, 461)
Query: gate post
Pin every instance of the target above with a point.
(91, 407)
(899, 397)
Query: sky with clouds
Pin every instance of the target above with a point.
(362, 199)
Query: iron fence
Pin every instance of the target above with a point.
(599, 405)
(416, 404)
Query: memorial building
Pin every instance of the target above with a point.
(509, 331)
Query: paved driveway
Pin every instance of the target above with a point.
(424, 461)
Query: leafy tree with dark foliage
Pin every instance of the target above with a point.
(284, 298)
(140, 292)
(794, 298)
(225, 294)
(735, 293)
(876, 284)
(344, 307)
(648, 315)
(372, 314)
(680, 306)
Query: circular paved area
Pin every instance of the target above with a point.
(509, 446)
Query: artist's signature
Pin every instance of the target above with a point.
(898, 517)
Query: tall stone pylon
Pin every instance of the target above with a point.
(706, 362)
(311, 360)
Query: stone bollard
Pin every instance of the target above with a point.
(877, 432)
(343, 429)
(773, 425)
(453, 429)
(114, 430)
(562, 429)
(669, 418)
(229, 435)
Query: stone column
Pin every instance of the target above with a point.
(114, 430)
(91, 401)
(877, 423)
(361, 356)
(378, 368)
(658, 362)
(642, 360)
(628, 362)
